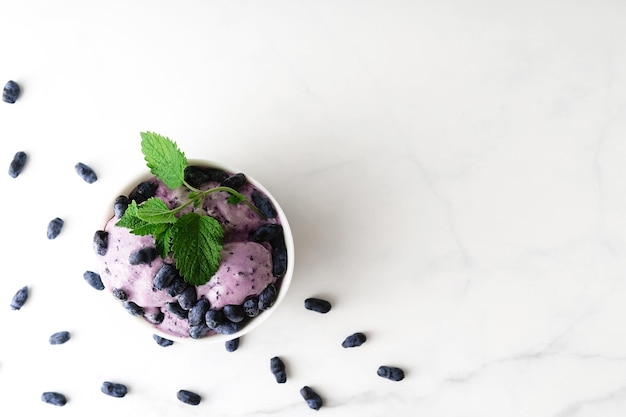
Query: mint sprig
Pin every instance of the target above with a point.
(194, 240)
(164, 158)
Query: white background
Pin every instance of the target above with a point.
(453, 172)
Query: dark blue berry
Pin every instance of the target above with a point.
(279, 258)
(228, 327)
(133, 308)
(214, 318)
(354, 340)
(188, 297)
(188, 397)
(143, 256)
(11, 92)
(54, 228)
(311, 397)
(17, 164)
(317, 304)
(198, 331)
(267, 233)
(251, 306)
(277, 367)
(101, 242)
(263, 203)
(196, 175)
(175, 308)
(19, 299)
(120, 294)
(59, 338)
(390, 372)
(155, 317)
(86, 173)
(234, 312)
(176, 287)
(54, 398)
(114, 389)
(235, 181)
(198, 311)
(94, 279)
(232, 344)
(161, 341)
(143, 191)
(120, 206)
(267, 298)
(164, 276)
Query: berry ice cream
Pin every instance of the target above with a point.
(253, 260)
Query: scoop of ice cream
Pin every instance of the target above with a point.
(245, 268)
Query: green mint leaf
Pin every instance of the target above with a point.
(154, 210)
(132, 221)
(145, 230)
(164, 158)
(236, 199)
(163, 238)
(196, 243)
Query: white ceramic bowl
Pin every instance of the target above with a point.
(282, 287)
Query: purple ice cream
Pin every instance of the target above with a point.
(247, 266)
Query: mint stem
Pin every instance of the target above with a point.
(201, 195)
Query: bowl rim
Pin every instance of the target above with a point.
(286, 280)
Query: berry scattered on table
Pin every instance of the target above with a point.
(318, 305)
(54, 398)
(20, 297)
(311, 397)
(94, 280)
(232, 344)
(86, 173)
(277, 367)
(188, 397)
(59, 338)
(162, 341)
(354, 340)
(390, 372)
(11, 92)
(114, 389)
(54, 228)
(17, 164)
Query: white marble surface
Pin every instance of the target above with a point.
(454, 172)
